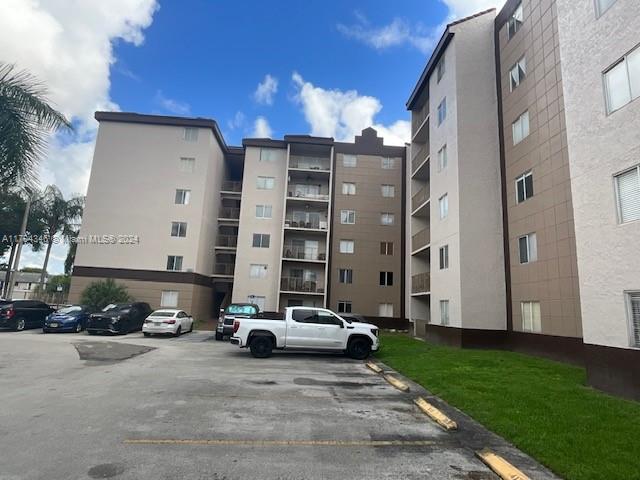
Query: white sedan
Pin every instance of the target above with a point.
(167, 321)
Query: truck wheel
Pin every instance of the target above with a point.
(20, 325)
(219, 336)
(261, 347)
(359, 348)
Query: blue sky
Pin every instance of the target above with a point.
(260, 68)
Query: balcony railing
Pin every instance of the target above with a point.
(229, 212)
(309, 163)
(231, 186)
(420, 283)
(419, 156)
(419, 198)
(227, 241)
(223, 268)
(301, 223)
(296, 284)
(298, 252)
(420, 239)
(417, 118)
(299, 193)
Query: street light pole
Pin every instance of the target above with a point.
(16, 262)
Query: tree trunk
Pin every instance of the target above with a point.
(7, 276)
(46, 262)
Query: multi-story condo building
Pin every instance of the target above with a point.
(191, 222)
(455, 216)
(600, 52)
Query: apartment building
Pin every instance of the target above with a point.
(455, 218)
(183, 220)
(600, 53)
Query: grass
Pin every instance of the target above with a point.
(542, 407)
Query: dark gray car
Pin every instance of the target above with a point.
(229, 314)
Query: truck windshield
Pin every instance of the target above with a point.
(244, 309)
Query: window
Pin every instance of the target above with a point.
(442, 158)
(442, 111)
(633, 300)
(183, 197)
(348, 217)
(187, 165)
(388, 163)
(385, 310)
(520, 128)
(388, 191)
(528, 247)
(386, 248)
(261, 240)
(524, 187)
(264, 211)
(517, 73)
(178, 229)
(268, 154)
(444, 257)
(515, 21)
(344, 306)
(443, 203)
(603, 5)
(387, 218)
(531, 317)
(628, 195)
(190, 134)
(169, 298)
(265, 183)
(386, 279)
(622, 81)
(257, 270)
(440, 69)
(174, 262)
(444, 312)
(348, 188)
(346, 246)
(345, 275)
(349, 161)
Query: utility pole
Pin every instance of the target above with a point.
(23, 229)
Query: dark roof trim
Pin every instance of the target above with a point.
(263, 142)
(435, 57)
(309, 139)
(143, 275)
(130, 117)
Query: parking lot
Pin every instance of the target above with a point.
(77, 406)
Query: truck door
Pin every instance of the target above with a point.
(304, 329)
(333, 333)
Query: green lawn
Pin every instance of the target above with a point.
(542, 407)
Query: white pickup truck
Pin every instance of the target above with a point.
(305, 328)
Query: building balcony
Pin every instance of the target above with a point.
(419, 201)
(227, 241)
(418, 118)
(300, 285)
(224, 269)
(420, 161)
(231, 186)
(319, 164)
(298, 192)
(229, 213)
(305, 222)
(420, 284)
(302, 253)
(420, 241)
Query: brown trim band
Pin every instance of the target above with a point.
(144, 275)
(614, 370)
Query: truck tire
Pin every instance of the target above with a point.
(219, 336)
(261, 347)
(359, 348)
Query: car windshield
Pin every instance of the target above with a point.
(161, 313)
(246, 309)
(70, 310)
(114, 307)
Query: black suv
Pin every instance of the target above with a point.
(119, 318)
(21, 314)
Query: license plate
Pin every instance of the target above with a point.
(157, 324)
(54, 325)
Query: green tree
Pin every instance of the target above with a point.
(51, 293)
(71, 257)
(56, 215)
(26, 119)
(100, 294)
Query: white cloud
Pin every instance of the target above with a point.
(261, 128)
(344, 114)
(171, 105)
(69, 48)
(266, 90)
(463, 8)
(237, 121)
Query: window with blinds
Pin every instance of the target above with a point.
(634, 314)
(531, 320)
(628, 195)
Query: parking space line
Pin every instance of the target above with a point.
(283, 443)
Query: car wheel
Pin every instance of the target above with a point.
(359, 348)
(261, 347)
(178, 331)
(191, 327)
(146, 334)
(78, 327)
(20, 324)
(219, 336)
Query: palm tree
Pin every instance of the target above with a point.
(57, 215)
(25, 120)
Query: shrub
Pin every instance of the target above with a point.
(100, 294)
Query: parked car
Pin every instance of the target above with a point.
(67, 319)
(305, 328)
(229, 314)
(118, 318)
(21, 314)
(167, 321)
